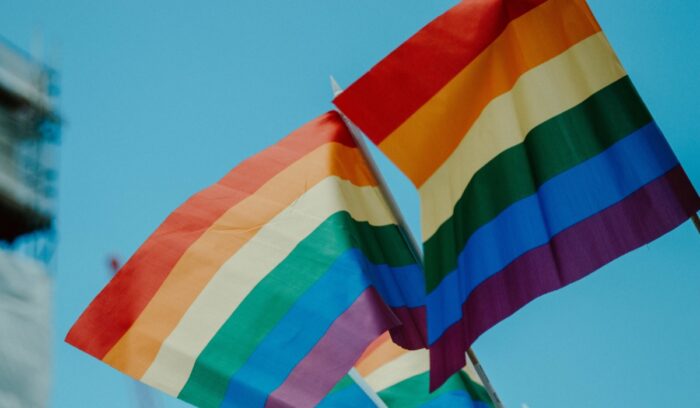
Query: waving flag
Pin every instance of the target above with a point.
(535, 158)
(264, 289)
(400, 379)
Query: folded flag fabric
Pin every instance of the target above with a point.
(535, 159)
(400, 378)
(265, 288)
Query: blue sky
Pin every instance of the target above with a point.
(163, 97)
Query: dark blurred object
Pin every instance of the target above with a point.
(29, 136)
(114, 264)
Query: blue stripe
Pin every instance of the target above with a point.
(455, 399)
(401, 286)
(351, 396)
(296, 334)
(563, 201)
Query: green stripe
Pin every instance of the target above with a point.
(344, 383)
(272, 298)
(413, 392)
(553, 147)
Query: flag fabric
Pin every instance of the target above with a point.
(400, 379)
(535, 159)
(349, 393)
(265, 288)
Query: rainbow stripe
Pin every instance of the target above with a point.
(548, 167)
(265, 288)
(400, 378)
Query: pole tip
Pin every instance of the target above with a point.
(335, 87)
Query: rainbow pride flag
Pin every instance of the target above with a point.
(535, 159)
(400, 379)
(265, 288)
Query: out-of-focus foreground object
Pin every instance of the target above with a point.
(29, 136)
(29, 133)
(535, 159)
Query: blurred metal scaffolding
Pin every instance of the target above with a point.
(29, 137)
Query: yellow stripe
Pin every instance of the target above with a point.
(388, 364)
(137, 348)
(425, 140)
(399, 369)
(242, 272)
(471, 372)
(539, 95)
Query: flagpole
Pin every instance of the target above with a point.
(383, 186)
(484, 378)
(406, 231)
(696, 221)
(371, 394)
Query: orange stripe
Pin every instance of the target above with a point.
(379, 353)
(136, 350)
(527, 42)
(373, 346)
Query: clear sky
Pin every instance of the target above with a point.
(163, 97)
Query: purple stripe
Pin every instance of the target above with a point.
(412, 334)
(334, 355)
(645, 215)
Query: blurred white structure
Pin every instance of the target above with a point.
(29, 135)
(25, 322)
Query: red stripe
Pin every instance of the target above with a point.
(334, 355)
(407, 78)
(128, 293)
(647, 214)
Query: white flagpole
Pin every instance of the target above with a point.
(383, 187)
(403, 226)
(366, 388)
(484, 379)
